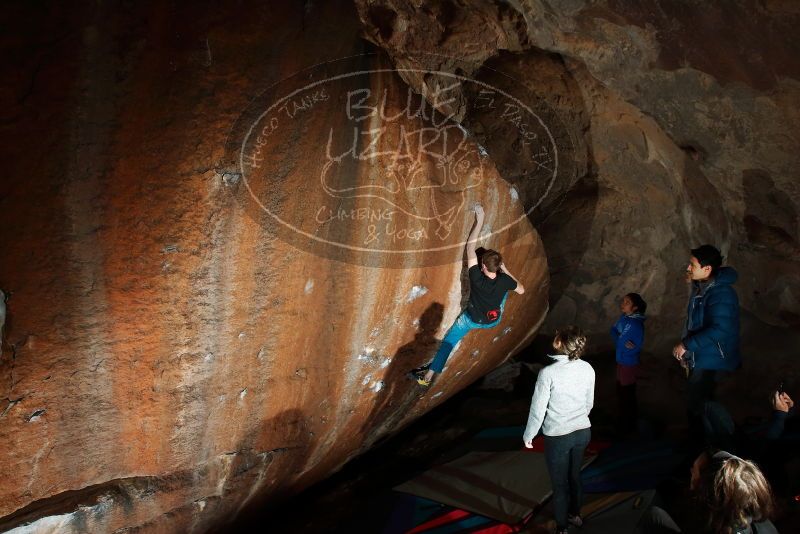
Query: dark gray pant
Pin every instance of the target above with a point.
(700, 389)
(564, 456)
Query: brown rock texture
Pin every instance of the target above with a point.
(684, 126)
(229, 230)
(220, 265)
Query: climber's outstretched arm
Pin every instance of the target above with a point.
(520, 289)
(472, 242)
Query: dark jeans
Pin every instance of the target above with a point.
(628, 409)
(700, 388)
(564, 456)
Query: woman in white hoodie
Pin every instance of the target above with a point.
(560, 407)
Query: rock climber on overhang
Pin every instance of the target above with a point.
(489, 284)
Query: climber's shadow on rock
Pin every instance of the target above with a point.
(398, 392)
(421, 348)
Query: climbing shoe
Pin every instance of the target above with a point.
(418, 377)
(421, 369)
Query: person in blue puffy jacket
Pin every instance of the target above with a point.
(628, 336)
(709, 348)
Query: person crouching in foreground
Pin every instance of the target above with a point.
(731, 495)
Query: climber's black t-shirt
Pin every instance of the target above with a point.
(486, 294)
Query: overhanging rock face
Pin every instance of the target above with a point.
(227, 262)
(689, 122)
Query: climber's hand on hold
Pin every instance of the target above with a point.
(520, 289)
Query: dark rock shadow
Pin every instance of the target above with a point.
(289, 438)
(770, 216)
(399, 391)
(565, 235)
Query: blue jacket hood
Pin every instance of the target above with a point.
(726, 276)
(637, 316)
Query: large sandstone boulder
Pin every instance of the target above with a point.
(222, 262)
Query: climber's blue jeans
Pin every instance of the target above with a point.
(456, 333)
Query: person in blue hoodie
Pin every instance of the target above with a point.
(628, 336)
(709, 348)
